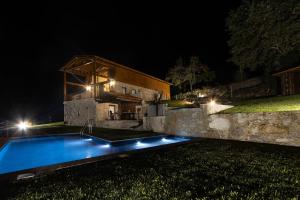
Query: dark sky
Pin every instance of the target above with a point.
(37, 39)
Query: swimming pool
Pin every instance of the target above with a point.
(28, 153)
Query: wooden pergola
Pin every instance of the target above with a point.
(88, 67)
(289, 80)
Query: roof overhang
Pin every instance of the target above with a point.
(84, 64)
(286, 71)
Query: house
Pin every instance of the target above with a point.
(289, 81)
(109, 94)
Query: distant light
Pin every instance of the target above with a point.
(165, 140)
(201, 95)
(23, 125)
(112, 82)
(88, 139)
(212, 102)
(88, 88)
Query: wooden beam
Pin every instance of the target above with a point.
(76, 84)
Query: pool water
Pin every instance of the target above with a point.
(27, 153)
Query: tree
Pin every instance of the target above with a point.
(263, 32)
(196, 72)
(176, 74)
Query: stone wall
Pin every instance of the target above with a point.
(155, 124)
(119, 124)
(275, 127)
(77, 112)
(143, 93)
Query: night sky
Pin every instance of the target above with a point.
(37, 39)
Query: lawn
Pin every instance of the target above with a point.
(207, 169)
(271, 104)
(177, 103)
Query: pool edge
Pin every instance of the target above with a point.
(12, 176)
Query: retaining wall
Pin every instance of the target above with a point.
(271, 127)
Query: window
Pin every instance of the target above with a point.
(124, 90)
(133, 92)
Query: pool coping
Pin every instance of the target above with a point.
(13, 176)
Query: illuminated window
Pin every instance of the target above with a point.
(124, 90)
(133, 92)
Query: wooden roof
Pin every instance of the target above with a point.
(83, 65)
(287, 70)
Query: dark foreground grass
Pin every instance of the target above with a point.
(208, 169)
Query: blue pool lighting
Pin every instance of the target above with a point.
(33, 152)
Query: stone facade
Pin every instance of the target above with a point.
(141, 92)
(82, 108)
(77, 112)
(273, 127)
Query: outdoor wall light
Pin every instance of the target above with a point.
(88, 88)
(23, 125)
(212, 102)
(201, 95)
(112, 82)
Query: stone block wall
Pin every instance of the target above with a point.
(273, 127)
(77, 112)
(143, 93)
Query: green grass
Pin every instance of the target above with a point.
(271, 104)
(208, 169)
(177, 103)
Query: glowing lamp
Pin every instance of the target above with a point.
(212, 102)
(112, 82)
(88, 88)
(23, 125)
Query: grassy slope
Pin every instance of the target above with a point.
(176, 103)
(208, 169)
(271, 104)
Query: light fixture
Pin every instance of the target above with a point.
(23, 125)
(88, 88)
(112, 82)
(212, 102)
(201, 95)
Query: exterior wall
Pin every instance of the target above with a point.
(77, 112)
(102, 111)
(118, 124)
(155, 124)
(142, 92)
(133, 77)
(275, 127)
